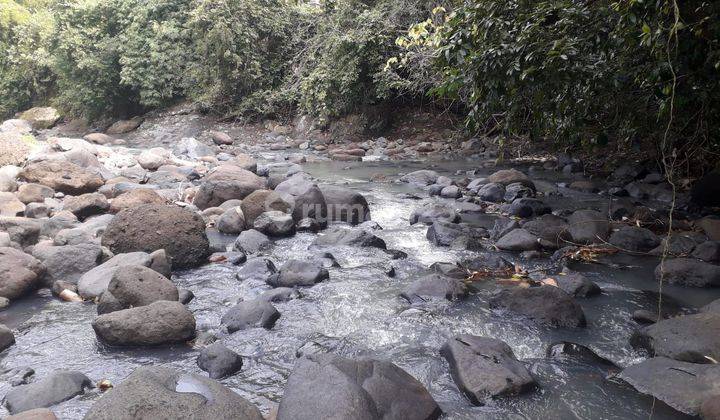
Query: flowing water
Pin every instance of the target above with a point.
(358, 312)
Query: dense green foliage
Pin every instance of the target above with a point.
(579, 72)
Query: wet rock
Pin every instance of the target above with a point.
(527, 208)
(136, 285)
(359, 389)
(135, 198)
(432, 212)
(7, 338)
(493, 192)
(445, 234)
(275, 224)
(41, 118)
(151, 227)
(219, 361)
(257, 269)
(279, 294)
(250, 314)
(435, 286)
(95, 282)
(645, 191)
(643, 316)
(252, 242)
(575, 284)
(518, 240)
(22, 230)
(98, 138)
(423, 177)
(60, 285)
(306, 199)
(232, 221)
(261, 201)
(89, 231)
(62, 176)
(451, 191)
(708, 251)
(510, 176)
(10, 205)
(221, 138)
(158, 323)
(34, 414)
(546, 305)
(688, 338)
(154, 158)
(484, 368)
(517, 190)
(635, 239)
(710, 226)
(488, 261)
(37, 211)
(308, 225)
(340, 236)
(192, 148)
(124, 126)
(299, 273)
(683, 386)
(158, 392)
(86, 205)
(588, 227)
(69, 262)
(345, 205)
(550, 229)
(689, 272)
(225, 183)
(53, 389)
(20, 273)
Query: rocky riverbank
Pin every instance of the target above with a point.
(267, 274)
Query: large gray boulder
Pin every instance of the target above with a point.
(160, 322)
(163, 393)
(232, 221)
(20, 273)
(95, 282)
(327, 386)
(260, 201)
(434, 286)
(41, 117)
(219, 361)
(634, 239)
(432, 212)
(53, 389)
(21, 230)
(258, 269)
(151, 227)
(345, 205)
(681, 385)
(275, 224)
(422, 177)
(250, 314)
(359, 237)
(252, 242)
(518, 240)
(484, 368)
(547, 305)
(306, 198)
(68, 263)
(86, 205)
(135, 285)
(688, 272)
(299, 273)
(225, 183)
(688, 338)
(588, 227)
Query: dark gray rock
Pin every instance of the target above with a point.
(20, 273)
(550, 229)
(95, 282)
(422, 177)
(450, 191)
(518, 190)
(492, 192)
(358, 237)
(435, 286)
(635, 239)
(305, 197)
(432, 212)
(708, 251)
(160, 322)
(158, 392)
(279, 294)
(7, 338)
(325, 386)
(518, 240)
(134, 285)
(53, 389)
(232, 221)
(546, 305)
(275, 224)
(588, 227)
(261, 269)
(688, 338)
(688, 272)
(86, 205)
(484, 368)
(252, 242)
(575, 284)
(445, 233)
(219, 361)
(527, 208)
(681, 385)
(69, 262)
(345, 205)
(299, 273)
(250, 314)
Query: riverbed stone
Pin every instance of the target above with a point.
(275, 224)
(135, 198)
(158, 392)
(86, 205)
(226, 182)
(518, 240)
(431, 212)
(305, 198)
(95, 282)
(634, 239)
(484, 368)
(280, 294)
(575, 284)
(688, 338)
(493, 192)
(135, 285)
(708, 251)
(10, 205)
(345, 205)
(546, 305)
(151, 227)
(53, 389)
(34, 414)
(160, 322)
(20, 273)
(325, 386)
(68, 262)
(442, 233)
(341, 236)
(219, 361)
(250, 314)
(22, 230)
(62, 176)
(710, 225)
(422, 177)
(260, 269)
(7, 338)
(588, 227)
(689, 272)
(299, 273)
(232, 221)
(435, 286)
(510, 176)
(517, 190)
(41, 117)
(681, 385)
(252, 242)
(527, 208)
(551, 230)
(260, 201)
